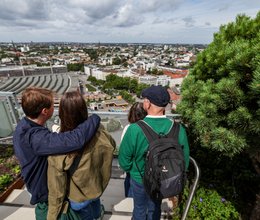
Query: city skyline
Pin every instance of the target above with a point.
(113, 21)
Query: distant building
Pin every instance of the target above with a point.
(150, 80)
(176, 76)
(31, 70)
(25, 49)
(163, 80)
(96, 72)
(116, 103)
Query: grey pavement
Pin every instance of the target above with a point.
(117, 207)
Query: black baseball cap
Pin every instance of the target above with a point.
(157, 95)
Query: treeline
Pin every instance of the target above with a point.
(75, 67)
(116, 85)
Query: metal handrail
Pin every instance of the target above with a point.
(192, 190)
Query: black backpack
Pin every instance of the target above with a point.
(164, 173)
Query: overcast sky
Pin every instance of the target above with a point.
(118, 21)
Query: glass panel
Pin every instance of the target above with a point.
(114, 122)
(6, 127)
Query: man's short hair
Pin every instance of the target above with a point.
(34, 100)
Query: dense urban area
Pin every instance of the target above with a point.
(140, 65)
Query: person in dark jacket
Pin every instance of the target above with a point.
(33, 142)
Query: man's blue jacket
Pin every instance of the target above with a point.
(33, 143)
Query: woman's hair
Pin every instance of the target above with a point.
(136, 112)
(34, 100)
(72, 111)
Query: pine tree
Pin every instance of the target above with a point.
(221, 95)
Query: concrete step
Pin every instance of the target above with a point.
(116, 217)
(19, 196)
(17, 206)
(113, 194)
(13, 212)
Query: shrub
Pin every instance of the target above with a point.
(207, 204)
(4, 180)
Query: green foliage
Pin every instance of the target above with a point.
(117, 82)
(155, 71)
(93, 54)
(120, 83)
(125, 86)
(8, 152)
(75, 67)
(95, 81)
(4, 180)
(207, 204)
(16, 169)
(140, 88)
(233, 178)
(221, 95)
(125, 64)
(90, 88)
(3, 55)
(116, 61)
(126, 96)
(133, 84)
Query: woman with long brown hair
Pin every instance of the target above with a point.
(79, 176)
(136, 113)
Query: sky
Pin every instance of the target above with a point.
(119, 21)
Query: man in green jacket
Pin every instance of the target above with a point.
(134, 146)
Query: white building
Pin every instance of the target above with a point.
(175, 82)
(150, 66)
(97, 73)
(150, 80)
(127, 73)
(163, 80)
(7, 60)
(25, 49)
(181, 63)
(105, 61)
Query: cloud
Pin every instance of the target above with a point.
(126, 16)
(223, 7)
(189, 21)
(117, 20)
(26, 9)
(96, 9)
(157, 5)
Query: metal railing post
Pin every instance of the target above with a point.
(192, 190)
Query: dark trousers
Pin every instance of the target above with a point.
(144, 207)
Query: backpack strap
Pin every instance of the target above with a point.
(174, 131)
(151, 134)
(148, 131)
(75, 163)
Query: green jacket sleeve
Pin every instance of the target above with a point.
(126, 152)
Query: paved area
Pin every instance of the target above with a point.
(117, 207)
